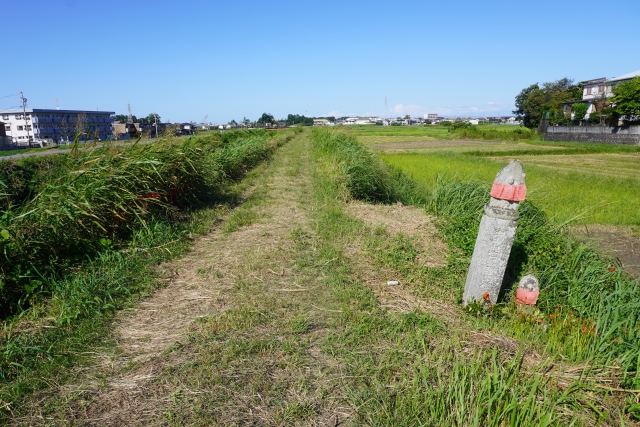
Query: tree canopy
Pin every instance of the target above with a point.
(626, 97)
(295, 119)
(149, 119)
(533, 102)
(266, 118)
(122, 118)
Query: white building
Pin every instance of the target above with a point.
(41, 126)
(360, 121)
(595, 90)
(431, 116)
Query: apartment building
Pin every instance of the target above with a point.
(42, 126)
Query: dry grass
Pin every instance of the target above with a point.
(621, 243)
(407, 220)
(411, 222)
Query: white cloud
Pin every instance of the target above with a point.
(334, 113)
(403, 110)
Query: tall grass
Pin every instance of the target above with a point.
(75, 294)
(577, 284)
(573, 277)
(365, 176)
(449, 390)
(491, 133)
(59, 210)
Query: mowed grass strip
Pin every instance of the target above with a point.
(577, 191)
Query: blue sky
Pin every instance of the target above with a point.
(230, 60)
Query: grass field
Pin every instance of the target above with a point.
(578, 183)
(591, 189)
(380, 134)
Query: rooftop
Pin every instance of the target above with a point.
(593, 81)
(625, 76)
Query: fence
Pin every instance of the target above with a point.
(629, 135)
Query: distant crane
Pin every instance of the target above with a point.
(129, 116)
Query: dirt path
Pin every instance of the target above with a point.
(249, 274)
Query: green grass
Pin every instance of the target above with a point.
(408, 369)
(586, 312)
(373, 134)
(27, 150)
(69, 207)
(574, 194)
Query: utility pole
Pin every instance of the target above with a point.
(24, 115)
(156, 116)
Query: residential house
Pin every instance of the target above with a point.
(596, 91)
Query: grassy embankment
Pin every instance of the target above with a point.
(588, 311)
(80, 234)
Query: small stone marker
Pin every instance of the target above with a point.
(496, 234)
(528, 290)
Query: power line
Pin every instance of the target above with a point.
(7, 96)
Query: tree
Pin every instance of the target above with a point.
(295, 119)
(407, 117)
(150, 119)
(65, 129)
(266, 118)
(534, 102)
(122, 118)
(626, 97)
(579, 111)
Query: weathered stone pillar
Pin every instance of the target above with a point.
(495, 236)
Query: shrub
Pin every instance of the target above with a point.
(579, 110)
